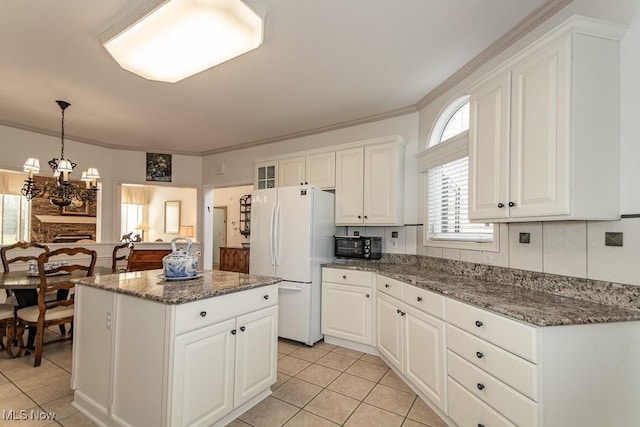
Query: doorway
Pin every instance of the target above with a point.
(219, 232)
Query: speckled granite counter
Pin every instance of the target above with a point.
(149, 285)
(535, 307)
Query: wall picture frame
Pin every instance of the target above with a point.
(77, 207)
(159, 167)
(172, 217)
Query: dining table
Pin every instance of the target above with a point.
(24, 285)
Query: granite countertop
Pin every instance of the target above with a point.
(534, 307)
(149, 285)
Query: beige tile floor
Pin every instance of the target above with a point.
(326, 385)
(323, 385)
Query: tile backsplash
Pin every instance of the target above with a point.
(567, 248)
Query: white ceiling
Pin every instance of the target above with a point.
(323, 62)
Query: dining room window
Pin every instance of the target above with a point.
(15, 210)
(445, 167)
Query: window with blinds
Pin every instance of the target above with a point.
(449, 204)
(445, 164)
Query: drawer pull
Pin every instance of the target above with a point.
(479, 354)
(203, 313)
(480, 386)
(419, 299)
(266, 297)
(233, 332)
(402, 313)
(480, 425)
(398, 311)
(386, 285)
(479, 323)
(344, 276)
(367, 295)
(242, 328)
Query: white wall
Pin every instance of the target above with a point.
(188, 211)
(230, 197)
(115, 166)
(569, 248)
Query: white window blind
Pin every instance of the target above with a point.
(448, 203)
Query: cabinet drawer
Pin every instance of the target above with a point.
(514, 406)
(198, 314)
(427, 301)
(511, 335)
(467, 410)
(512, 370)
(389, 286)
(347, 277)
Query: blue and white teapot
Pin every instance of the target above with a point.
(180, 264)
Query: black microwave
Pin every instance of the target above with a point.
(358, 247)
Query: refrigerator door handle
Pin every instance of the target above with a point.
(276, 233)
(273, 210)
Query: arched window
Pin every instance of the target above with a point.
(445, 164)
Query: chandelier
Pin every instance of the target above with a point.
(60, 190)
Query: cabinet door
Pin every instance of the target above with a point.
(256, 353)
(425, 355)
(349, 186)
(266, 175)
(321, 170)
(380, 197)
(203, 375)
(540, 161)
(291, 172)
(389, 330)
(346, 312)
(489, 149)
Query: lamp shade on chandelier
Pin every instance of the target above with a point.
(60, 190)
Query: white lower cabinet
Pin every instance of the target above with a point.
(347, 305)
(205, 353)
(413, 342)
(502, 372)
(195, 364)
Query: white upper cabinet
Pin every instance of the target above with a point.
(321, 170)
(370, 184)
(318, 170)
(544, 132)
(291, 171)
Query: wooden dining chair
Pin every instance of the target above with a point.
(48, 313)
(120, 253)
(146, 259)
(9, 308)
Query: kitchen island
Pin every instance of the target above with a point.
(148, 351)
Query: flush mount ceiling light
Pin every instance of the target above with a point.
(171, 40)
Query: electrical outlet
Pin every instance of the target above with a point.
(394, 243)
(108, 325)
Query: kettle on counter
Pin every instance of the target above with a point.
(180, 263)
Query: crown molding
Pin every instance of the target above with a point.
(529, 23)
(388, 115)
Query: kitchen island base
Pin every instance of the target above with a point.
(139, 362)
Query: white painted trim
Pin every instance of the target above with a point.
(60, 219)
(373, 141)
(454, 148)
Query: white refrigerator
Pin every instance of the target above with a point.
(292, 232)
